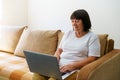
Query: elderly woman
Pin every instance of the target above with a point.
(79, 46)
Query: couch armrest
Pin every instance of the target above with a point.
(88, 72)
(109, 70)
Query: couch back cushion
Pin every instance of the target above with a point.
(102, 37)
(44, 41)
(9, 37)
(110, 45)
(103, 42)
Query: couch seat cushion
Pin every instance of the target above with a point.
(44, 41)
(9, 37)
(13, 67)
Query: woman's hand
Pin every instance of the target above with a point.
(67, 68)
(57, 53)
(77, 64)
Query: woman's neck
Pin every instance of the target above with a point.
(80, 33)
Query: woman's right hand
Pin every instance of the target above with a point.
(57, 53)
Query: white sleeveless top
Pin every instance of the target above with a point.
(76, 49)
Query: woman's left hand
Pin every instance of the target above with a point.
(67, 68)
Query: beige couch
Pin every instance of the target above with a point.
(13, 66)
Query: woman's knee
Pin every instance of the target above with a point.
(38, 77)
(51, 78)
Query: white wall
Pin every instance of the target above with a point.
(54, 14)
(0, 10)
(13, 12)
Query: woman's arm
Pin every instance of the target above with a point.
(57, 53)
(77, 64)
(80, 64)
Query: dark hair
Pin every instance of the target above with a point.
(81, 14)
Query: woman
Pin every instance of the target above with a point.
(79, 46)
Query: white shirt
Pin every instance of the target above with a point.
(76, 49)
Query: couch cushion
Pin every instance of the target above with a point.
(102, 37)
(14, 67)
(9, 37)
(37, 40)
(110, 45)
(103, 42)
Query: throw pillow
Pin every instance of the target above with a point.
(9, 37)
(44, 41)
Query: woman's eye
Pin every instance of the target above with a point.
(72, 21)
(77, 20)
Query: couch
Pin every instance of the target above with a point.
(13, 66)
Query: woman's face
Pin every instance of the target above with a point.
(77, 24)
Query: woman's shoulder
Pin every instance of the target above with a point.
(93, 35)
(68, 32)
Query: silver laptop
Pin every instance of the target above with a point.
(43, 64)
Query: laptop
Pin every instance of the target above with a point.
(44, 64)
